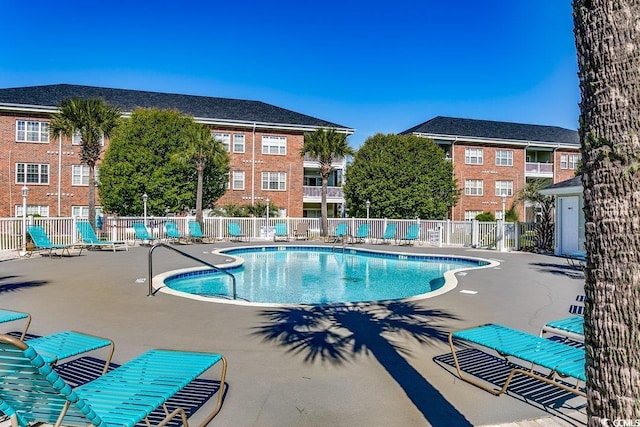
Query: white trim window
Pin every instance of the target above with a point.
(76, 139)
(83, 211)
(473, 156)
(504, 188)
(274, 181)
(274, 145)
(504, 157)
(225, 139)
(473, 187)
(80, 174)
(471, 215)
(238, 143)
(32, 131)
(237, 179)
(32, 173)
(574, 159)
(42, 210)
(564, 161)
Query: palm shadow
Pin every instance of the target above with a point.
(13, 285)
(559, 269)
(340, 333)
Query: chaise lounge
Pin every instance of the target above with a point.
(32, 392)
(559, 358)
(42, 242)
(90, 239)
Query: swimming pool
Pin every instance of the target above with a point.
(320, 275)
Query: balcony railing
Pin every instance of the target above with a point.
(539, 168)
(332, 192)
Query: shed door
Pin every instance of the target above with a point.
(568, 225)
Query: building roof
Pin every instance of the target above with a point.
(203, 108)
(569, 186)
(487, 129)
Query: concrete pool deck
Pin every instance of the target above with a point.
(368, 365)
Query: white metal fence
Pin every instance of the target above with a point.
(61, 230)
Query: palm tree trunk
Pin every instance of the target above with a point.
(607, 37)
(92, 195)
(199, 196)
(323, 206)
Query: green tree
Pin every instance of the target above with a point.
(94, 120)
(544, 223)
(607, 35)
(139, 161)
(325, 146)
(200, 150)
(402, 177)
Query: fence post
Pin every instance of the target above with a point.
(474, 233)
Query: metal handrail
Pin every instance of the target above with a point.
(191, 257)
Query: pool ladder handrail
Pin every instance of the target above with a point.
(191, 257)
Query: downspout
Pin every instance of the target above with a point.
(253, 164)
(453, 169)
(59, 172)
(11, 207)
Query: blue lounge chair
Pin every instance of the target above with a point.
(389, 233)
(569, 327)
(235, 233)
(90, 239)
(281, 232)
(42, 242)
(173, 234)
(32, 392)
(362, 233)
(341, 232)
(195, 232)
(10, 316)
(559, 358)
(142, 234)
(413, 233)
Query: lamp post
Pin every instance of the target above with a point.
(368, 205)
(144, 211)
(25, 191)
(268, 202)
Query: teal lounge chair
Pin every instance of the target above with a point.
(10, 316)
(340, 233)
(32, 392)
(43, 243)
(362, 233)
(235, 233)
(281, 232)
(173, 234)
(90, 239)
(412, 235)
(569, 327)
(195, 232)
(559, 358)
(142, 234)
(389, 233)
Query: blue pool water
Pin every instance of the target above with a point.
(318, 275)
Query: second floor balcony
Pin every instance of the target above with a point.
(313, 194)
(541, 170)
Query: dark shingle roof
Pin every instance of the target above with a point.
(198, 106)
(576, 181)
(495, 130)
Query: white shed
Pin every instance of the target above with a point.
(569, 212)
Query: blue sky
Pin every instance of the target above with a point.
(373, 66)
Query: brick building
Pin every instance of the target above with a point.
(263, 142)
(492, 160)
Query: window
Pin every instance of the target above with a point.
(77, 139)
(471, 215)
(33, 210)
(312, 181)
(83, 211)
(504, 158)
(32, 173)
(564, 161)
(574, 159)
(238, 143)
(80, 174)
(473, 187)
(274, 145)
(28, 131)
(504, 188)
(274, 181)
(224, 138)
(237, 179)
(473, 156)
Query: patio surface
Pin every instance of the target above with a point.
(380, 376)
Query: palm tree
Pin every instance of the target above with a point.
(325, 146)
(607, 44)
(93, 120)
(544, 227)
(201, 149)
